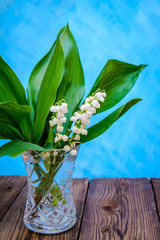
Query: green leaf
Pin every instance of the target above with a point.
(12, 113)
(48, 90)
(9, 132)
(117, 79)
(11, 88)
(16, 115)
(37, 76)
(17, 147)
(107, 122)
(72, 87)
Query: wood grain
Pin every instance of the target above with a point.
(156, 188)
(139, 215)
(102, 214)
(120, 209)
(12, 227)
(10, 187)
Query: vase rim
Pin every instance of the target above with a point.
(38, 156)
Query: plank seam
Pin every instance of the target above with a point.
(155, 199)
(13, 201)
(80, 225)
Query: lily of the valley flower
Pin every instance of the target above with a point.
(81, 119)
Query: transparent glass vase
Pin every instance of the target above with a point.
(50, 205)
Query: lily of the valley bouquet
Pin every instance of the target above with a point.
(53, 119)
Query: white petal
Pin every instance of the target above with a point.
(65, 138)
(82, 107)
(92, 110)
(67, 148)
(60, 115)
(101, 99)
(73, 152)
(59, 128)
(57, 108)
(73, 119)
(52, 108)
(87, 106)
(77, 137)
(104, 94)
(51, 123)
(63, 120)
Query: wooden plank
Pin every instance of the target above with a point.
(156, 188)
(10, 187)
(120, 209)
(102, 214)
(12, 226)
(139, 214)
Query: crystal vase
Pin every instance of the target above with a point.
(50, 205)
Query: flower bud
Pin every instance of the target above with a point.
(74, 129)
(87, 100)
(87, 106)
(60, 115)
(92, 110)
(73, 119)
(65, 138)
(55, 120)
(77, 137)
(84, 132)
(98, 95)
(59, 128)
(95, 104)
(57, 108)
(52, 108)
(104, 94)
(101, 99)
(73, 152)
(51, 123)
(67, 148)
(63, 120)
(89, 114)
(82, 107)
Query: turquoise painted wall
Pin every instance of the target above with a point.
(125, 30)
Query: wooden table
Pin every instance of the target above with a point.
(107, 209)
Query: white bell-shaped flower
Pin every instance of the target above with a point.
(67, 148)
(73, 119)
(52, 109)
(65, 138)
(104, 94)
(77, 137)
(59, 128)
(92, 110)
(63, 120)
(95, 104)
(73, 152)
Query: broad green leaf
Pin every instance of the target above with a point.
(37, 76)
(17, 147)
(16, 115)
(72, 87)
(11, 88)
(107, 122)
(12, 113)
(9, 132)
(48, 90)
(117, 79)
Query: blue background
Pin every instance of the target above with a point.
(125, 30)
